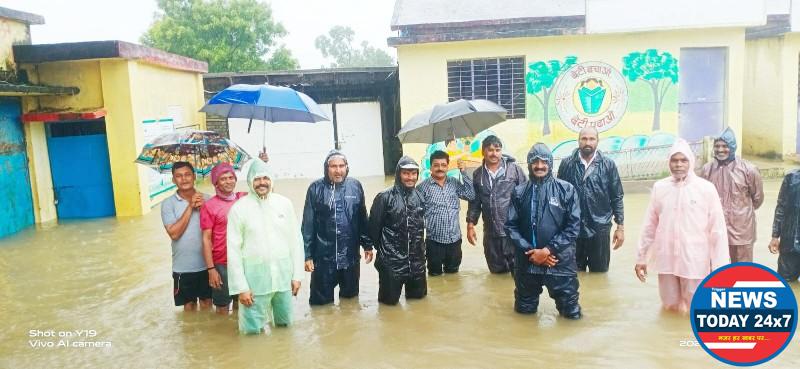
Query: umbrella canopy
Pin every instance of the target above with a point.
(265, 102)
(460, 118)
(202, 149)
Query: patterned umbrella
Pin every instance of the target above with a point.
(203, 149)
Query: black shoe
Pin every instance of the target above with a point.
(576, 316)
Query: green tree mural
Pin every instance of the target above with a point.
(540, 79)
(659, 70)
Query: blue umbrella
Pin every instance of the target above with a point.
(266, 103)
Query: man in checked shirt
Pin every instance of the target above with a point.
(441, 193)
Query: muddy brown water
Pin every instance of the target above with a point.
(110, 279)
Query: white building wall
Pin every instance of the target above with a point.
(608, 16)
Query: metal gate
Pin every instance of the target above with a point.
(81, 170)
(16, 207)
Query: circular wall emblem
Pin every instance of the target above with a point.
(744, 314)
(591, 94)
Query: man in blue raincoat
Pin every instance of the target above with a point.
(334, 225)
(544, 219)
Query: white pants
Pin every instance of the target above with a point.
(676, 292)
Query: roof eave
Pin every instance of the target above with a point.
(489, 29)
(20, 16)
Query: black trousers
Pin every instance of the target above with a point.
(499, 252)
(594, 252)
(390, 287)
(441, 256)
(789, 266)
(562, 289)
(325, 278)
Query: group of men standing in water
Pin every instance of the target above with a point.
(542, 227)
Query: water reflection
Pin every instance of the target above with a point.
(113, 276)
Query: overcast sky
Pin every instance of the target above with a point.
(93, 20)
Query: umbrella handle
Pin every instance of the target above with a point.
(452, 130)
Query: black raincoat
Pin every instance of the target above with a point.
(397, 228)
(599, 190)
(544, 213)
(335, 222)
(557, 220)
(786, 223)
(334, 225)
(492, 201)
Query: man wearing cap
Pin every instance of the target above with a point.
(214, 223)
(334, 225)
(543, 223)
(397, 228)
(265, 253)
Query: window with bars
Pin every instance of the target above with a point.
(501, 80)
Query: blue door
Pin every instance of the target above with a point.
(16, 203)
(81, 170)
(701, 105)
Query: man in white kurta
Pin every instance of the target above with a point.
(265, 253)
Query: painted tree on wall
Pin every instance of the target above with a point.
(539, 81)
(659, 70)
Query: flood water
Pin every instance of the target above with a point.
(112, 278)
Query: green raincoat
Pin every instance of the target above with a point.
(265, 246)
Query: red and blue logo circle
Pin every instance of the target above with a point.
(744, 314)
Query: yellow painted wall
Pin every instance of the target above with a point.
(130, 91)
(762, 112)
(771, 96)
(44, 207)
(133, 92)
(423, 76)
(155, 90)
(11, 33)
(124, 137)
(788, 88)
(158, 88)
(84, 74)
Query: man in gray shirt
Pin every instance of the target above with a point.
(181, 217)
